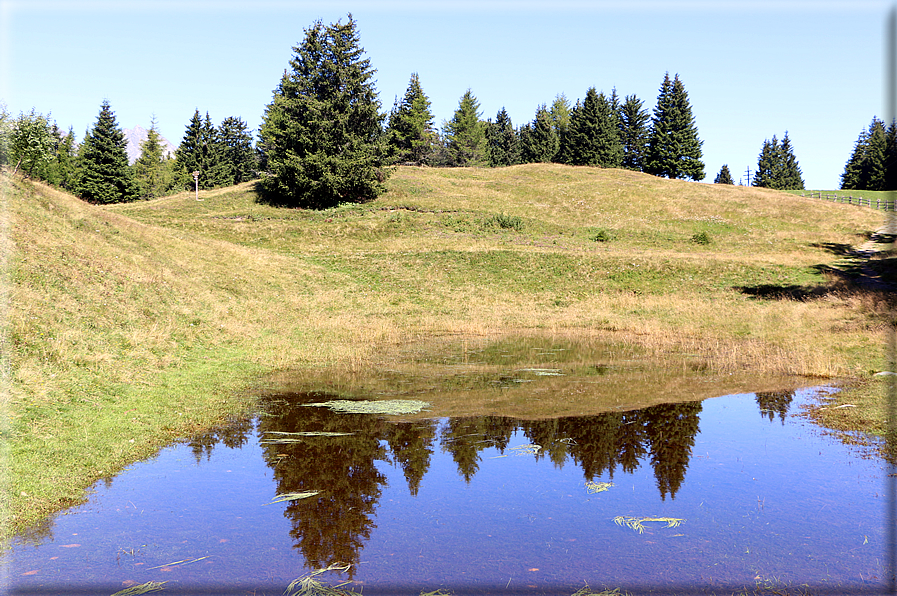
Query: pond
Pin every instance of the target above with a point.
(737, 493)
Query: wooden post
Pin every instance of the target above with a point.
(196, 183)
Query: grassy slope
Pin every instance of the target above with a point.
(131, 325)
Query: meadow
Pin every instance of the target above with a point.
(130, 326)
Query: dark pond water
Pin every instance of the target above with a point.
(751, 497)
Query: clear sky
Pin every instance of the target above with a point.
(752, 69)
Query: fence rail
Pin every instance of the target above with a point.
(876, 203)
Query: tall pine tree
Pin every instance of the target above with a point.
(777, 167)
(106, 176)
(593, 137)
(674, 149)
(634, 120)
(504, 149)
(539, 141)
(322, 132)
(235, 142)
(410, 130)
(465, 134)
(149, 168)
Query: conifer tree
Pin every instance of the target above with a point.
(724, 176)
(149, 166)
(106, 176)
(560, 112)
(540, 142)
(410, 130)
(777, 167)
(634, 120)
(5, 130)
(235, 142)
(593, 134)
(504, 149)
(322, 132)
(873, 162)
(63, 171)
(674, 149)
(465, 134)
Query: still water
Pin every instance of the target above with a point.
(725, 495)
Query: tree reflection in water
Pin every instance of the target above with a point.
(332, 527)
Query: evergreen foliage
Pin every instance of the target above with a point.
(465, 134)
(235, 142)
(873, 163)
(63, 170)
(539, 141)
(561, 111)
(777, 167)
(202, 150)
(674, 149)
(633, 118)
(31, 144)
(152, 170)
(593, 137)
(105, 176)
(410, 130)
(504, 146)
(724, 176)
(321, 133)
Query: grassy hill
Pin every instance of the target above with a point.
(131, 325)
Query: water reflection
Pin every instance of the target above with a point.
(332, 527)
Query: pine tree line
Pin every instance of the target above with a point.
(601, 130)
(97, 169)
(873, 163)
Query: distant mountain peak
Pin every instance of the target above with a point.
(135, 136)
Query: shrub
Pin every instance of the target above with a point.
(601, 235)
(507, 222)
(701, 238)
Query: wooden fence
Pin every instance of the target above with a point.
(876, 203)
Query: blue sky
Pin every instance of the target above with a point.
(752, 69)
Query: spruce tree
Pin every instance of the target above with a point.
(674, 149)
(560, 112)
(504, 149)
(777, 167)
(851, 179)
(724, 176)
(322, 132)
(410, 131)
(235, 142)
(465, 134)
(593, 137)
(791, 178)
(634, 120)
(106, 176)
(64, 168)
(149, 166)
(540, 142)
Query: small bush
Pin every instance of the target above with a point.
(601, 235)
(507, 222)
(701, 238)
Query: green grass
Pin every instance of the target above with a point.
(128, 326)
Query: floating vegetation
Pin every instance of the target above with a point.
(307, 585)
(293, 496)
(598, 487)
(286, 437)
(184, 562)
(392, 407)
(141, 589)
(543, 372)
(587, 591)
(532, 449)
(636, 522)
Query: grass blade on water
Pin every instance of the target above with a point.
(293, 496)
(636, 522)
(141, 589)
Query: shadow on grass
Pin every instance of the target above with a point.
(870, 275)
